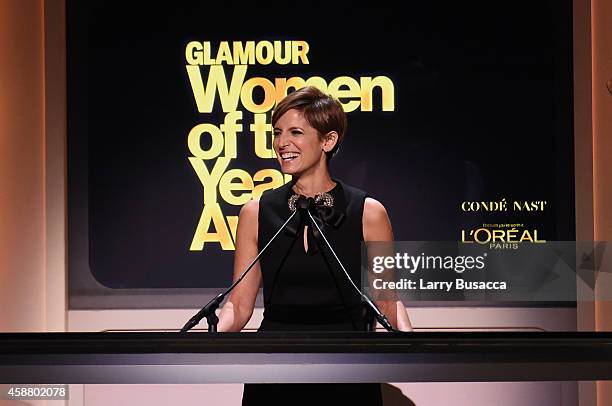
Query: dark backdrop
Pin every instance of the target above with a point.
(483, 111)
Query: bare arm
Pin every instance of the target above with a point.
(239, 307)
(377, 227)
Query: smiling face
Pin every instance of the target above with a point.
(298, 146)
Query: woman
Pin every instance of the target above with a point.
(304, 288)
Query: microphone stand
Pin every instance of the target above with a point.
(209, 311)
(381, 318)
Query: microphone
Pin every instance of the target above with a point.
(303, 205)
(209, 310)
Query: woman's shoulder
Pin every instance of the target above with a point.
(370, 204)
(250, 209)
(352, 190)
(274, 195)
(374, 210)
(376, 223)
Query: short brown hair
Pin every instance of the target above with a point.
(323, 112)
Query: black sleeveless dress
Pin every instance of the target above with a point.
(308, 291)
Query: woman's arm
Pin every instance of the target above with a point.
(377, 227)
(238, 309)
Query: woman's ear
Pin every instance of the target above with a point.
(331, 139)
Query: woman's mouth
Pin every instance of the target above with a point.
(289, 156)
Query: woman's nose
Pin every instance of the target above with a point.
(281, 140)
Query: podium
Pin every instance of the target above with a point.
(158, 358)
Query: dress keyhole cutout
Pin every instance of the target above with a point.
(305, 238)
